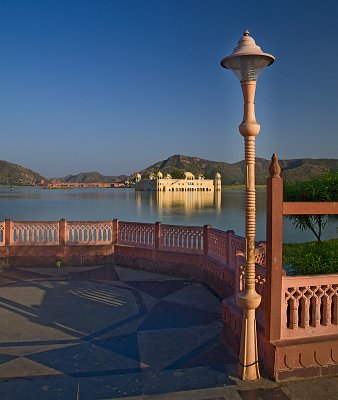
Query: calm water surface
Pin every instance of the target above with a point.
(223, 210)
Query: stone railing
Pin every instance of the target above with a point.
(53, 233)
(83, 232)
(218, 244)
(310, 306)
(136, 234)
(260, 281)
(30, 233)
(300, 311)
(188, 239)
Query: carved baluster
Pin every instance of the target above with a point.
(286, 314)
(334, 306)
(169, 238)
(316, 303)
(294, 305)
(305, 312)
(327, 304)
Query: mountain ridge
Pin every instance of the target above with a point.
(89, 177)
(232, 174)
(16, 175)
(293, 169)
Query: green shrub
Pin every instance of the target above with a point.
(323, 189)
(311, 258)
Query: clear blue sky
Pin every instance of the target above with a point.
(116, 85)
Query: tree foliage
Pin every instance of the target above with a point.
(323, 188)
(177, 174)
(311, 258)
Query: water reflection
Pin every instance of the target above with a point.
(224, 211)
(185, 202)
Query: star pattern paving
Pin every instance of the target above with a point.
(107, 332)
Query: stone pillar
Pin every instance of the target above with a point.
(229, 234)
(62, 232)
(158, 235)
(274, 247)
(206, 239)
(115, 231)
(8, 232)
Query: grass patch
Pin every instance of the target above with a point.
(311, 258)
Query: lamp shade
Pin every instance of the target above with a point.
(247, 59)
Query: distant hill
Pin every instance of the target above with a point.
(16, 175)
(298, 169)
(89, 177)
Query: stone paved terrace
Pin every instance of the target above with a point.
(117, 333)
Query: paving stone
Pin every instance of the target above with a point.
(167, 315)
(129, 274)
(197, 296)
(159, 289)
(112, 338)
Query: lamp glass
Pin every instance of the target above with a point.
(247, 67)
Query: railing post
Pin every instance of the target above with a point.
(274, 247)
(158, 235)
(115, 231)
(8, 232)
(229, 250)
(206, 239)
(62, 232)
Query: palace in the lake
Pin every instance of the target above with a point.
(165, 183)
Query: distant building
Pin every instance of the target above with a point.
(69, 185)
(166, 183)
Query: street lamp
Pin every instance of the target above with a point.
(247, 61)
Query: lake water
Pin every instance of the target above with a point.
(224, 210)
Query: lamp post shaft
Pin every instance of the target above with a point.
(247, 61)
(249, 299)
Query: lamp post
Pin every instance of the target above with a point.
(247, 61)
